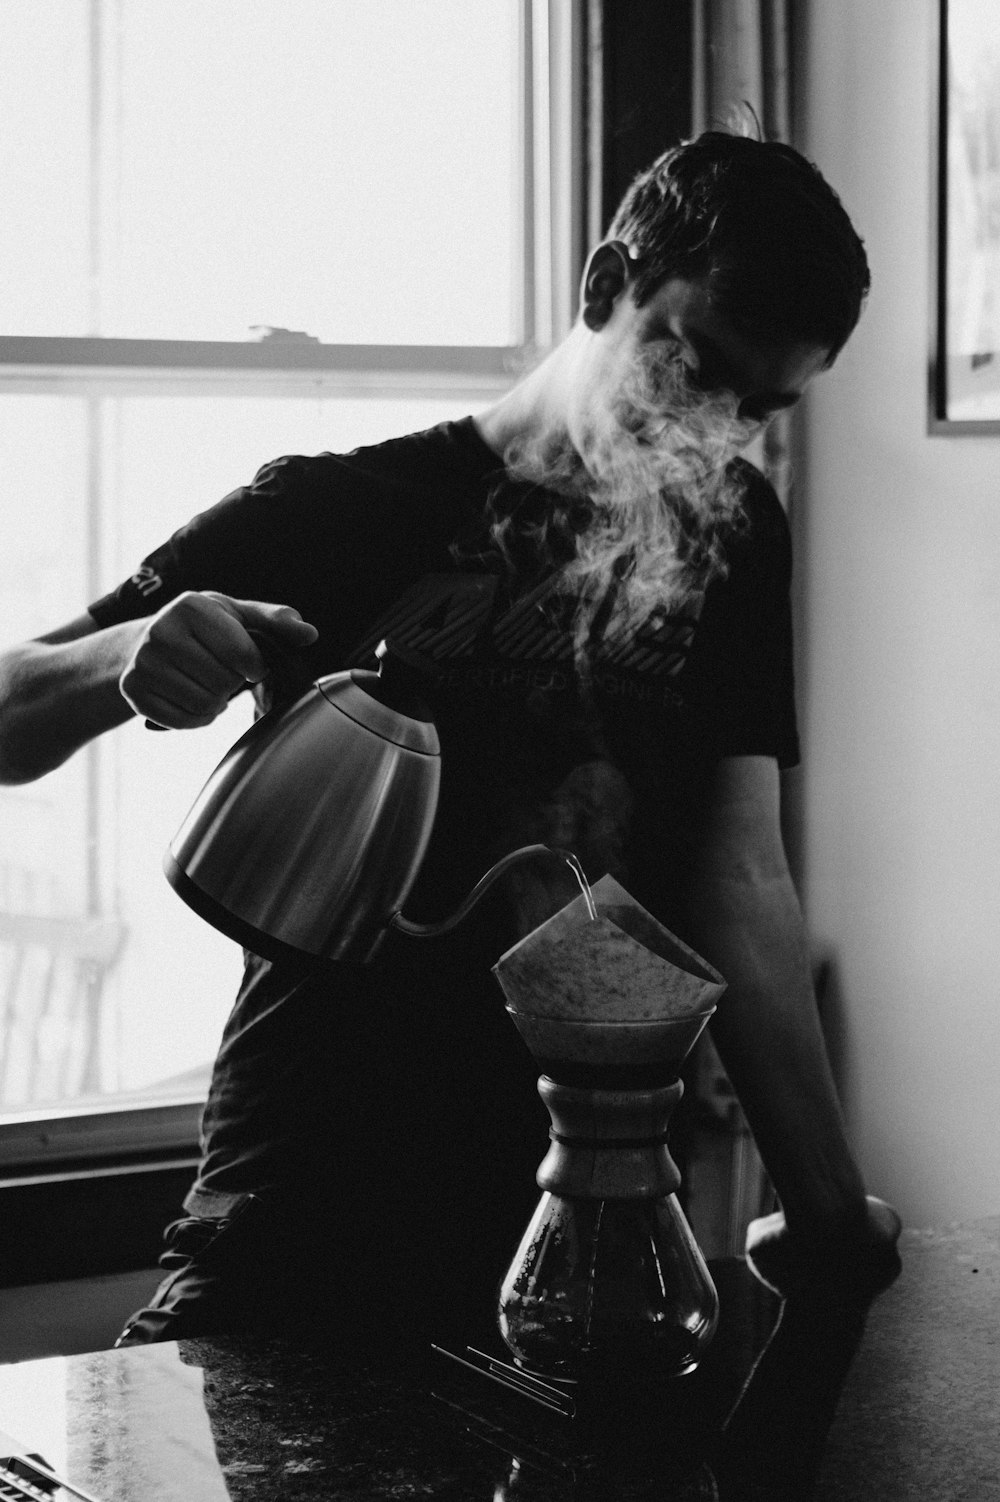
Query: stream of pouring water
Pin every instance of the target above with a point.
(577, 870)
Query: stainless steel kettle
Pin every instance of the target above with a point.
(307, 837)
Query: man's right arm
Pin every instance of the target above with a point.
(178, 668)
(58, 692)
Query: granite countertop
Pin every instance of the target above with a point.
(914, 1410)
(207, 1421)
(919, 1415)
(298, 1424)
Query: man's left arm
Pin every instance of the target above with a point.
(745, 918)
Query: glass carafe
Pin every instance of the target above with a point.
(608, 1277)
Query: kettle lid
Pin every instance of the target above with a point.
(391, 701)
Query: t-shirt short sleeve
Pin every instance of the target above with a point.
(336, 536)
(230, 547)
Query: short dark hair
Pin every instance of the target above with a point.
(761, 225)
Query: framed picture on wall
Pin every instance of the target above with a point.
(965, 359)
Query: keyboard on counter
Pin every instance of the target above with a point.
(26, 1477)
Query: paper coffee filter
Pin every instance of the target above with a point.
(623, 966)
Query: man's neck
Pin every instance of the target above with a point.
(534, 407)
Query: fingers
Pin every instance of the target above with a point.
(282, 622)
(197, 652)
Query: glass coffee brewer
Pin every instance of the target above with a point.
(608, 1293)
(306, 840)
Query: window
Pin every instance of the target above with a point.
(231, 231)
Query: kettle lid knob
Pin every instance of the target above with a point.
(400, 681)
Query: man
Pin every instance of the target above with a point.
(601, 589)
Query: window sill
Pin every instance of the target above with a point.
(100, 1134)
(107, 366)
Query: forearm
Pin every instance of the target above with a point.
(767, 1032)
(57, 696)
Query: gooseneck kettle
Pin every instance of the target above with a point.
(307, 837)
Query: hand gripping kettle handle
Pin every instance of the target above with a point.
(290, 677)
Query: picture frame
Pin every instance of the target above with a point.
(965, 319)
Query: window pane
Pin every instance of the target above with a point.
(122, 988)
(44, 165)
(340, 169)
(44, 866)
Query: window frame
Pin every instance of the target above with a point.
(83, 1136)
(551, 98)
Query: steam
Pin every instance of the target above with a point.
(644, 499)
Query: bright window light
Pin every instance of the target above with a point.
(180, 170)
(188, 171)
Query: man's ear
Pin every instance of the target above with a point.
(608, 273)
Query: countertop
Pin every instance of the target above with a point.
(916, 1405)
(919, 1415)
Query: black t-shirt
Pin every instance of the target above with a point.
(320, 1076)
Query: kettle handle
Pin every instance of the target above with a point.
(292, 678)
(514, 858)
(290, 675)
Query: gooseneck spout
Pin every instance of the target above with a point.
(504, 864)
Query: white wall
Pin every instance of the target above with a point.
(899, 563)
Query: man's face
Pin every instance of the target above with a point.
(679, 324)
(765, 378)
